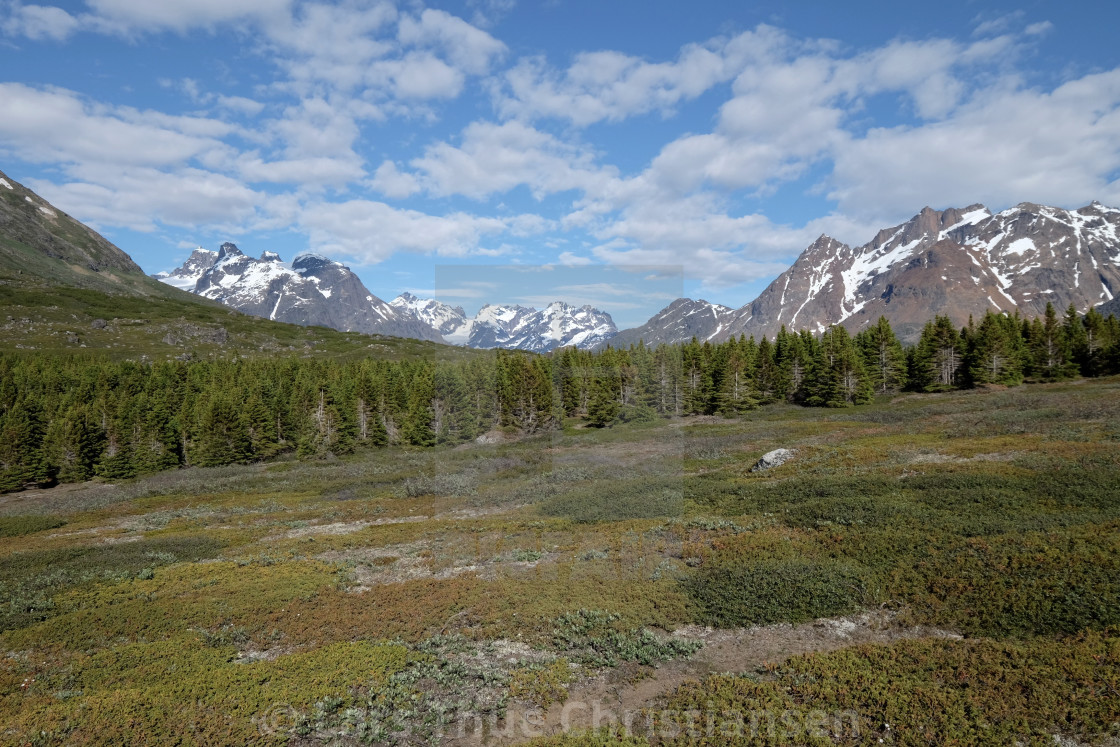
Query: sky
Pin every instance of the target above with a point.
(720, 138)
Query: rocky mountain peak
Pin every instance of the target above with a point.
(312, 290)
(311, 261)
(957, 262)
(229, 249)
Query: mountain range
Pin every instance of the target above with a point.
(955, 262)
(512, 326)
(312, 289)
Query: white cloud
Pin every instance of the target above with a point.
(612, 86)
(139, 198)
(391, 182)
(568, 259)
(128, 16)
(470, 49)
(373, 231)
(487, 12)
(316, 128)
(302, 171)
(1060, 147)
(241, 105)
(331, 45)
(39, 22)
(418, 75)
(55, 125)
(493, 158)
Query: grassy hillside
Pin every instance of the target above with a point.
(940, 568)
(63, 319)
(64, 288)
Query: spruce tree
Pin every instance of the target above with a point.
(883, 357)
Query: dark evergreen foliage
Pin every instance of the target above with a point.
(67, 419)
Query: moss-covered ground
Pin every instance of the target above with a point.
(389, 596)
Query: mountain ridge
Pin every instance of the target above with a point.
(513, 326)
(310, 290)
(955, 262)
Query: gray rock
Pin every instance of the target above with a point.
(774, 458)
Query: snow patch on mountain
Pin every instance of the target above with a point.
(512, 326)
(311, 289)
(956, 262)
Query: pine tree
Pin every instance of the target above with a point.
(838, 378)
(938, 357)
(1096, 341)
(1050, 359)
(883, 357)
(765, 372)
(604, 406)
(994, 352)
(23, 460)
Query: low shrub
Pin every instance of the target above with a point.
(618, 500)
(593, 638)
(17, 526)
(733, 593)
(913, 692)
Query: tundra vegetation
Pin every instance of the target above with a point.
(383, 577)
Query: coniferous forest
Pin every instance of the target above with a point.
(68, 419)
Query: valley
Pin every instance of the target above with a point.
(955, 548)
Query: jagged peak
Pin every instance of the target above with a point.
(312, 260)
(268, 256)
(229, 249)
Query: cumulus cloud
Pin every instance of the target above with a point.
(391, 182)
(55, 125)
(372, 231)
(38, 22)
(141, 198)
(493, 158)
(468, 48)
(1057, 147)
(612, 86)
(128, 16)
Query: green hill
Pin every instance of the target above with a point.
(64, 288)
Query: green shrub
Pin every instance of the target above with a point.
(768, 590)
(29, 581)
(592, 637)
(917, 692)
(618, 500)
(17, 526)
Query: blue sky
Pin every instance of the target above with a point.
(720, 137)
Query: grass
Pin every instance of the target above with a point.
(154, 321)
(401, 589)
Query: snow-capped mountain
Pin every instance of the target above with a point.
(511, 326)
(953, 262)
(439, 316)
(185, 277)
(311, 290)
(680, 321)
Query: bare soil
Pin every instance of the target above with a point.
(621, 693)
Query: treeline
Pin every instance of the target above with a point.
(68, 419)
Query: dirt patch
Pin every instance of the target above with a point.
(347, 527)
(939, 458)
(631, 687)
(394, 564)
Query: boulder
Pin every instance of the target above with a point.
(774, 458)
